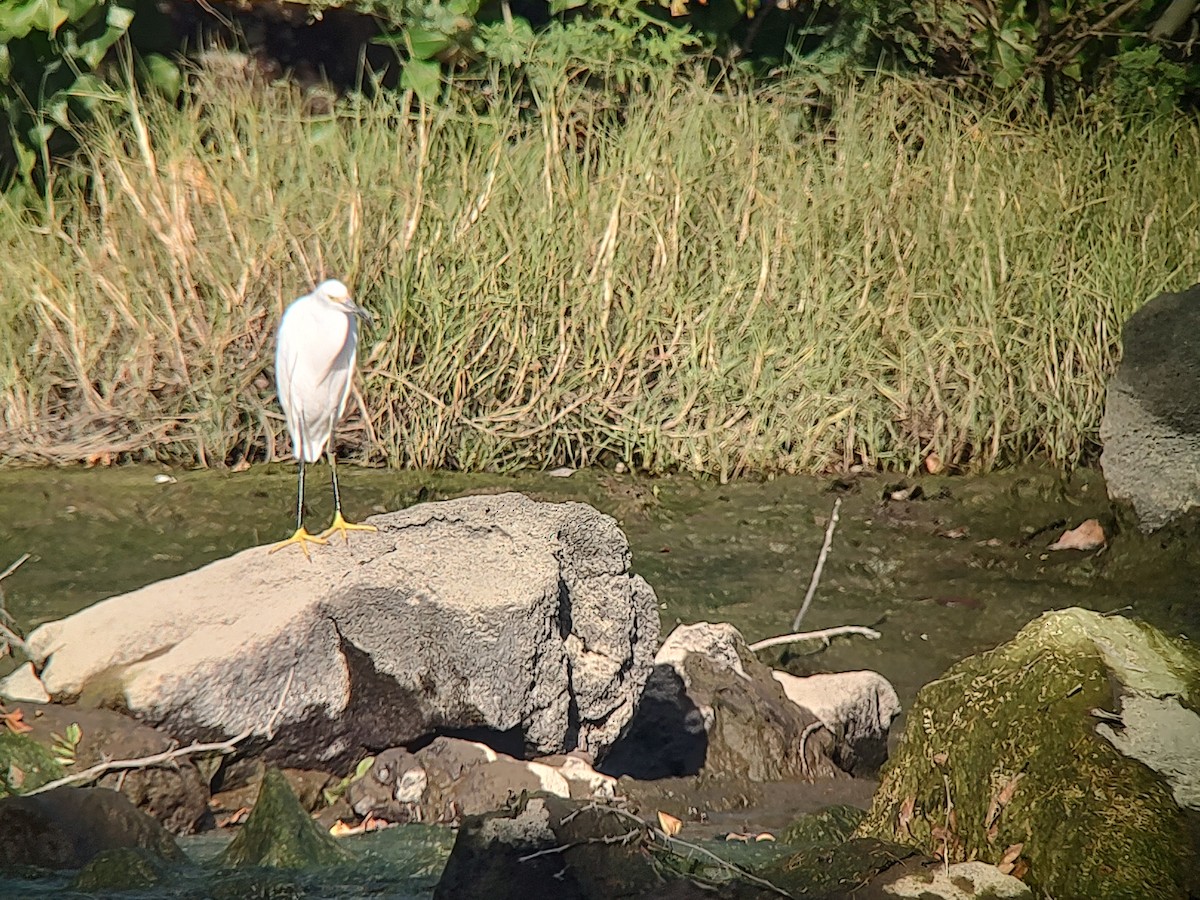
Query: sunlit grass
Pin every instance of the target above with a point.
(695, 279)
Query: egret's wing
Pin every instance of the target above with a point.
(313, 360)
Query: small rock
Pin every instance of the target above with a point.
(23, 685)
(279, 833)
(963, 881)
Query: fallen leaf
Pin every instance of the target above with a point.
(906, 813)
(1006, 793)
(738, 836)
(15, 721)
(1020, 869)
(933, 464)
(954, 534)
(242, 465)
(342, 829)
(939, 759)
(1088, 536)
(1006, 868)
(16, 775)
(670, 825)
(764, 836)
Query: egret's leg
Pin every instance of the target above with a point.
(301, 537)
(339, 523)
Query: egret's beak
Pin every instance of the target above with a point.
(355, 310)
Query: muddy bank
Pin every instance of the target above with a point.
(956, 569)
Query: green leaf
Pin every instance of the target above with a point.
(424, 43)
(562, 6)
(163, 75)
(423, 77)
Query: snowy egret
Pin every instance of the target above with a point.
(314, 364)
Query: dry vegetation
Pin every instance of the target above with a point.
(707, 280)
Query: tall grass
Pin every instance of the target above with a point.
(711, 280)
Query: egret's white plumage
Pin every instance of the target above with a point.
(314, 365)
(315, 354)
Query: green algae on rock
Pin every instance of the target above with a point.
(1009, 748)
(280, 834)
(122, 869)
(25, 764)
(827, 826)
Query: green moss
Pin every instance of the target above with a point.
(1092, 822)
(25, 764)
(122, 869)
(835, 871)
(280, 834)
(824, 827)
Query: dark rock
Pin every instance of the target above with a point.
(280, 834)
(122, 869)
(551, 847)
(1151, 425)
(546, 638)
(67, 827)
(176, 795)
(711, 706)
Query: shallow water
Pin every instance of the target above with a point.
(955, 571)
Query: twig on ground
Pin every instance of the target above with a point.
(8, 637)
(625, 838)
(144, 762)
(823, 635)
(811, 728)
(20, 562)
(816, 575)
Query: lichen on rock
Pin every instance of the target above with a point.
(1004, 757)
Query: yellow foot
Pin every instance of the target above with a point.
(341, 525)
(303, 538)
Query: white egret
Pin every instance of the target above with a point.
(314, 364)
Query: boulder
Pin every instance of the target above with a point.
(67, 827)
(857, 708)
(490, 615)
(711, 706)
(452, 778)
(1080, 719)
(176, 795)
(1151, 425)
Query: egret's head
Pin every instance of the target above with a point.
(337, 294)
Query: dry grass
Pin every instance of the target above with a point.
(694, 279)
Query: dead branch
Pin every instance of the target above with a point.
(816, 575)
(144, 762)
(823, 635)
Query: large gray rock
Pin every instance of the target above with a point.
(1151, 425)
(493, 613)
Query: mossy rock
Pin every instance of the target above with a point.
(25, 764)
(1013, 739)
(837, 870)
(122, 869)
(827, 826)
(280, 834)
